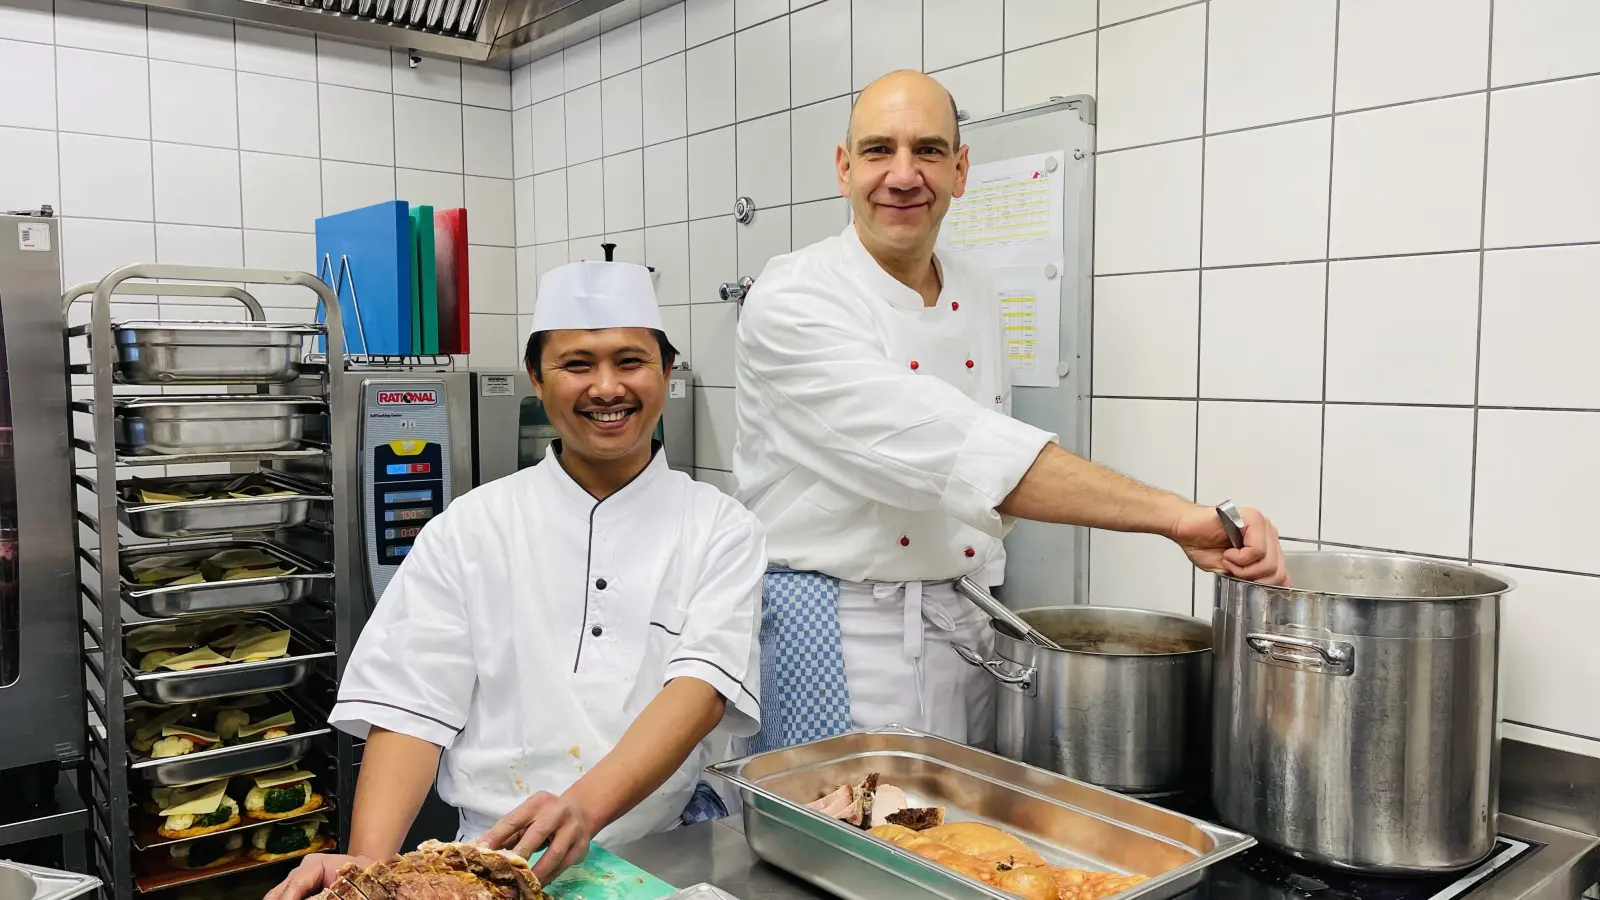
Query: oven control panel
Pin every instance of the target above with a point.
(405, 472)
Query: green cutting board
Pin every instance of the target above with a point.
(605, 876)
(426, 280)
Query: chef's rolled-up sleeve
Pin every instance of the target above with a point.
(412, 669)
(838, 406)
(719, 642)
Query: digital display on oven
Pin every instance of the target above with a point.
(407, 497)
(408, 492)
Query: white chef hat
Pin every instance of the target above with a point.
(588, 295)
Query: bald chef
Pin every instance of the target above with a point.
(568, 636)
(875, 446)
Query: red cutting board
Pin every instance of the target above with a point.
(450, 267)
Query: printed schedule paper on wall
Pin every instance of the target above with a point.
(1009, 221)
(1030, 322)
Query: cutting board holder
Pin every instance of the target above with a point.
(337, 278)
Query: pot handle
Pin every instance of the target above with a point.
(1020, 680)
(1331, 657)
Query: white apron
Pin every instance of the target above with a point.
(899, 664)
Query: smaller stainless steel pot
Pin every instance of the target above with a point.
(1125, 705)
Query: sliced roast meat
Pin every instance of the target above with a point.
(886, 801)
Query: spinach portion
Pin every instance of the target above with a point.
(286, 799)
(287, 839)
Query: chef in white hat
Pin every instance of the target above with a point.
(566, 637)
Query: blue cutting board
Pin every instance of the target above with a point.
(377, 241)
(603, 875)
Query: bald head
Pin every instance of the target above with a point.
(901, 89)
(901, 164)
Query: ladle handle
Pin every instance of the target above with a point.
(1232, 523)
(986, 601)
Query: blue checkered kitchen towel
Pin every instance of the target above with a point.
(704, 806)
(804, 696)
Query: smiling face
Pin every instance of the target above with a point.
(901, 164)
(603, 391)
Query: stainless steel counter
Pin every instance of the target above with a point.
(716, 852)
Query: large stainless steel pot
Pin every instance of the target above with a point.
(1355, 719)
(1124, 705)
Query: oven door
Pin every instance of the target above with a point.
(41, 663)
(509, 431)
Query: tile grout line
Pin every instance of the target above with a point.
(1373, 257)
(1088, 439)
(1327, 282)
(61, 185)
(1200, 256)
(1477, 349)
(238, 140)
(1391, 404)
(155, 228)
(1352, 112)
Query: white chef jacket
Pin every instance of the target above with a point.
(874, 444)
(531, 624)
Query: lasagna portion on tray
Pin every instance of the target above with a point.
(979, 851)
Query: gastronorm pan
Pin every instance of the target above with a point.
(219, 596)
(145, 836)
(232, 515)
(232, 679)
(701, 891)
(208, 352)
(217, 423)
(226, 762)
(1072, 824)
(22, 882)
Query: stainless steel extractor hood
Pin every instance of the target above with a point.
(468, 29)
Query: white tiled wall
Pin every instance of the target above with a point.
(1347, 251)
(178, 139)
(1347, 263)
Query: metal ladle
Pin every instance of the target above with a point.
(1232, 523)
(987, 602)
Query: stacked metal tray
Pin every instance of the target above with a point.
(208, 352)
(229, 680)
(228, 515)
(186, 425)
(230, 761)
(220, 596)
(1070, 823)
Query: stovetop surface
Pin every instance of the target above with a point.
(1262, 872)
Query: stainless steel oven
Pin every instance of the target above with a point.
(41, 670)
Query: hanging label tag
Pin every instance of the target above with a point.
(33, 236)
(496, 386)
